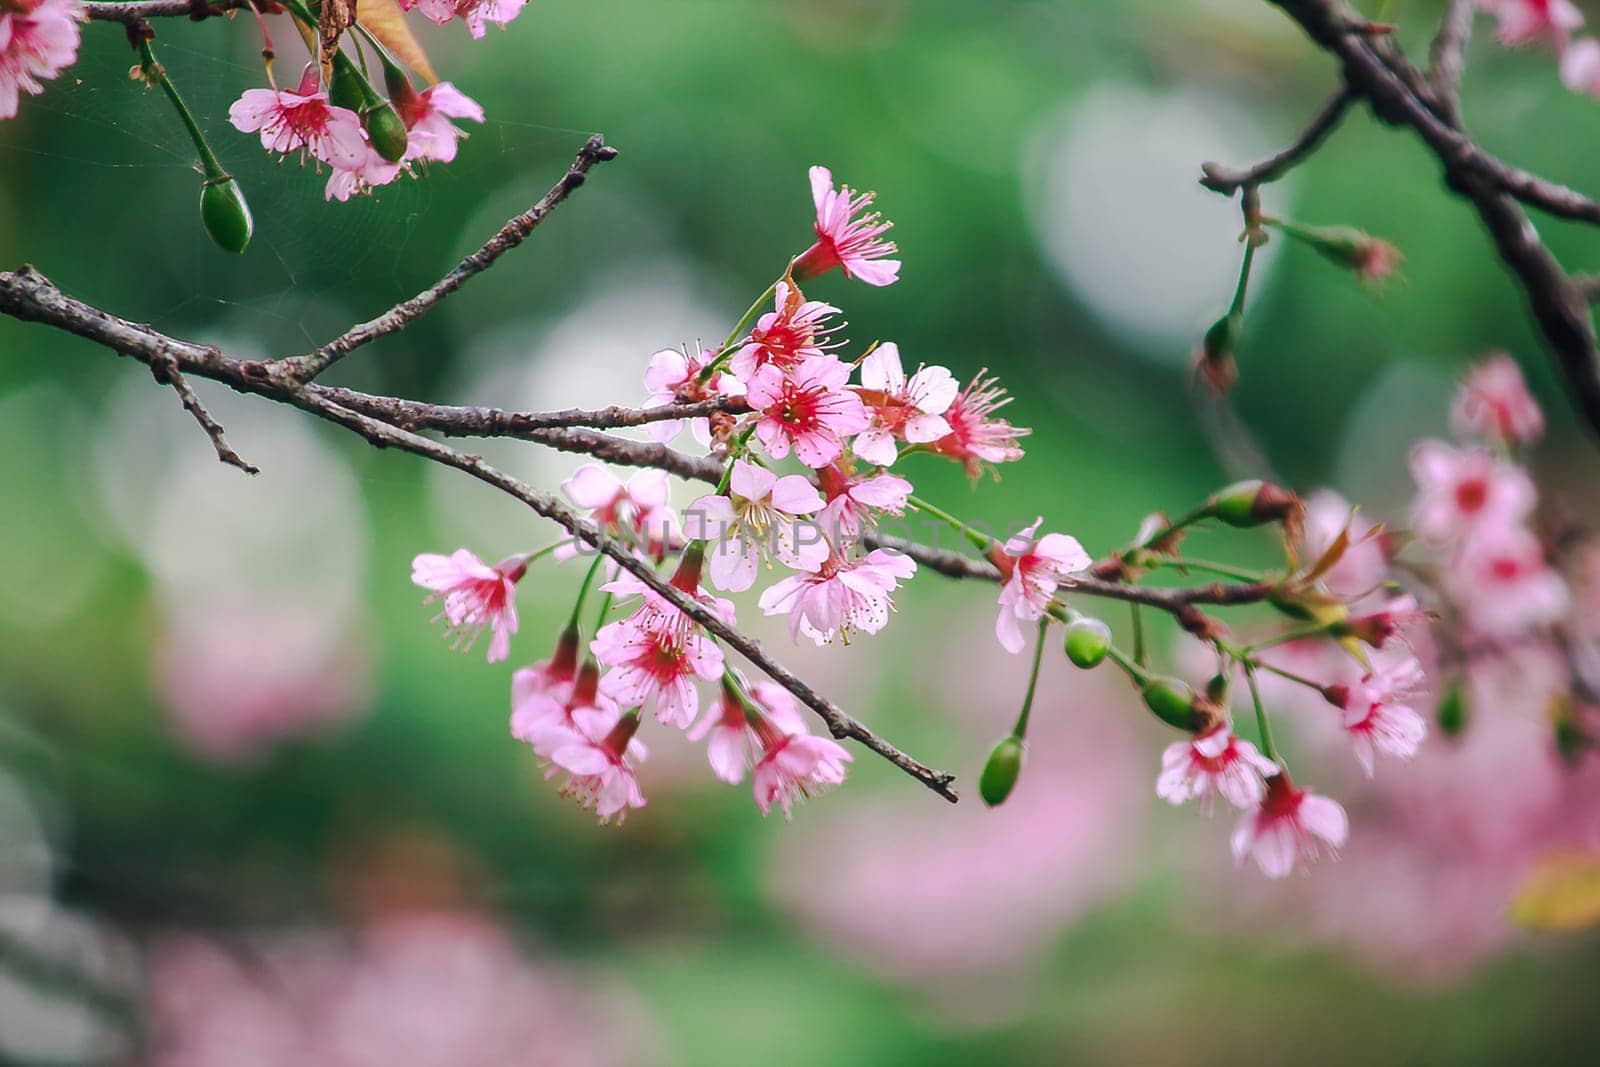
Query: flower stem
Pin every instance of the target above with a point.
(600, 616)
(1268, 749)
(1138, 636)
(1020, 730)
(153, 71)
(1223, 570)
(738, 332)
(583, 590)
(980, 540)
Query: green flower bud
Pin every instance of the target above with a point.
(1453, 711)
(1255, 503)
(1171, 700)
(1213, 361)
(386, 131)
(1000, 774)
(1217, 688)
(1088, 641)
(347, 89)
(225, 214)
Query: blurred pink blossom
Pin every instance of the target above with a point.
(1493, 402)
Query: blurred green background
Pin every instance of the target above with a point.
(159, 613)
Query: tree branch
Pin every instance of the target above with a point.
(513, 233)
(1558, 306)
(1447, 58)
(140, 10)
(167, 373)
(1220, 179)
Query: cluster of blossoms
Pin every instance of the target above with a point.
(788, 396)
(38, 40)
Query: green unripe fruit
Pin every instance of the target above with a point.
(386, 131)
(1000, 774)
(1171, 700)
(1236, 504)
(1088, 641)
(225, 214)
(1453, 711)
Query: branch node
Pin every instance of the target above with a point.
(165, 371)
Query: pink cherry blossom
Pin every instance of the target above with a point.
(1580, 66)
(541, 694)
(1493, 402)
(657, 652)
(976, 436)
(1523, 22)
(854, 500)
(303, 121)
(1378, 627)
(673, 376)
(38, 40)
(1377, 714)
(1214, 763)
(475, 596)
(911, 409)
(430, 133)
(734, 742)
(636, 510)
(809, 410)
(841, 597)
(1034, 568)
(794, 766)
(475, 13)
(795, 331)
(372, 171)
(1286, 827)
(1505, 585)
(1461, 489)
(599, 754)
(759, 515)
(848, 236)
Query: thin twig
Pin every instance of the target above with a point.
(1447, 58)
(139, 10)
(509, 236)
(1222, 180)
(167, 373)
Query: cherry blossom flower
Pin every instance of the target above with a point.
(854, 244)
(372, 171)
(1377, 628)
(38, 40)
(909, 409)
(1504, 584)
(599, 754)
(1493, 402)
(636, 509)
(657, 652)
(733, 740)
(1286, 827)
(1218, 763)
(303, 121)
(673, 376)
(1523, 22)
(475, 596)
(1580, 66)
(854, 500)
(475, 13)
(794, 764)
(1377, 715)
(1460, 489)
(841, 597)
(809, 410)
(976, 437)
(430, 133)
(795, 331)
(1033, 568)
(759, 513)
(542, 695)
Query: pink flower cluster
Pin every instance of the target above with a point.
(790, 397)
(38, 40)
(1551, 23)
(304, 122)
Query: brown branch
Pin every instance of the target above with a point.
(1447, 58)
(1222, 180)
(509, 236)
(1492, 187)
(139, 10)
(493, 422)
(167, 373)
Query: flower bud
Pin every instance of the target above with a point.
(1255, 503)
(1088, 641)
(386, 131)
(1453, 711)
(1372, 259)
(1000, 774)
(225, 215)
(1171, 700)
(1213, 360)
(346, 89)
(1217, 689)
